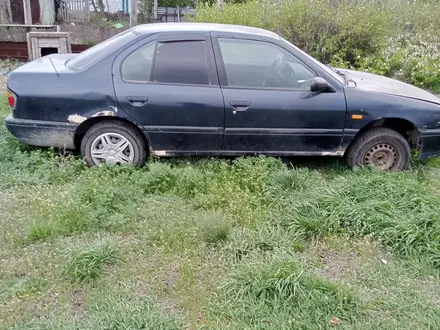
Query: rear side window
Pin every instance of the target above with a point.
(137, 65)
(101, 50)
(181, 62)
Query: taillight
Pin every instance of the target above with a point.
(11, 99)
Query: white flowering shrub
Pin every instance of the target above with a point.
(411, 58)
(397, 38)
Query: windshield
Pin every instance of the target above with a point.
(322, 66)
(101, 50)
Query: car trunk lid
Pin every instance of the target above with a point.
(34, 84)
(50, 64)
(44, 66)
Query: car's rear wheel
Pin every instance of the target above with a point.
(113, 142)
(382, 148)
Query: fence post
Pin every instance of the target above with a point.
(155, 10)
(133, 12)
(27, 12)
(87, 10)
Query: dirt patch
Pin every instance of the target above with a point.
(172, 276)
(336, 265)
(171, 306)
(333, 264)
(78, 305)
(167, 304)
(429, 288)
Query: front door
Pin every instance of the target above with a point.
(169, 85)
(268, 104)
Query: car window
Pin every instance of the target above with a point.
(97, 52)
(181, 62)
(250, 63)
(316, 62)
(137, 65)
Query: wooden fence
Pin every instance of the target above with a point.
(74, 10)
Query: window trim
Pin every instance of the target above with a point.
(152, 63)
(173, 40)
(170, 37)
(224, 83)
(137, 38)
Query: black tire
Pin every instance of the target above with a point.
(133, 135)
(377, 142)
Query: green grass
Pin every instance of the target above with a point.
(87, 263)
(249, 243)
(215, 227)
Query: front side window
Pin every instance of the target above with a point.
(259, 64)
(181, 62)
(137, 65)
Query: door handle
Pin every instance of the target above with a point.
(137, 101)
(240, 105)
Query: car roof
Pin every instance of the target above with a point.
(205, 27)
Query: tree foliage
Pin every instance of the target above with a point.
(368, 34)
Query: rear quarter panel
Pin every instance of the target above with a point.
(52, 97)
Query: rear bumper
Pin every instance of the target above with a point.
(41, 133)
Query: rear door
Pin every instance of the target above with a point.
(169, 85)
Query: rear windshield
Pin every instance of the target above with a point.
(101, 50)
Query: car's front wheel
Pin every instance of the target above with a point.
(113, 142)
(382, 148)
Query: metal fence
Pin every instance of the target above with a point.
(47, 12)
(50, 11)
(173, 14)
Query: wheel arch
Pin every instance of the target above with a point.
(87, 124)
(402, 126)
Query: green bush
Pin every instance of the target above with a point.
(344, 31)
(414, 59)
(396, 38)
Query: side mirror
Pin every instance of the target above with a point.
(319, 84)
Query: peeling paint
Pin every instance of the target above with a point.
(339, 152)
(115, 109)
(79, 119)
(159, 153)
(76, 119)
(329, 153)
(104, 113)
